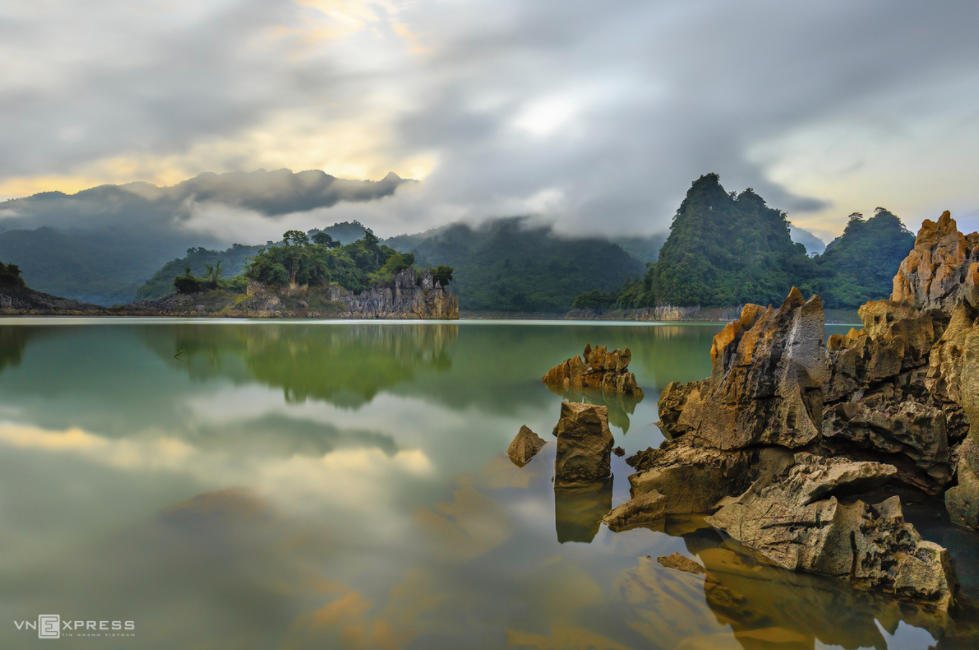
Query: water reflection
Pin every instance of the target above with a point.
(304, 486)
(619, 406)
(578, 510)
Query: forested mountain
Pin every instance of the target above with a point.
(727, 249)
(233, 260)
(101, 244)
(860, 264)
(512, 265)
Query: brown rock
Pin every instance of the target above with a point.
(584, 444)
(525, 446)
(600, 370)
(618, 451)
(941, 271)
(638, 511)
(796, 519)
(677, 561)
(962, 501)
(766, 386)
(691, 478)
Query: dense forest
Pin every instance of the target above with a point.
(512, 265)
(727, 249)
(317, 261)
(233, 260)
(10, 277)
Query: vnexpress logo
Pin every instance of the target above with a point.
(49, 626)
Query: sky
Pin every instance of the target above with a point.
(594, 115)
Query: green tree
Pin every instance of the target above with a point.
(442, 274)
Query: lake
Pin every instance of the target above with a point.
(293, 485)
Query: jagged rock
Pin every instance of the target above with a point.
(690, 477)
(618, 451)
(962, 501)
(942, 270)
(677, 561)
(599, 370)
(766, 385)
(584, 444)
(911, 434)
(679, 407)
(525, 446)
(796, 518)
(638, 511)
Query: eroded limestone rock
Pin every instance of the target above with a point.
(766, 386)
(942, 270)
(525, 446)
(802, 520)
(962, 501)
(584, 444)
(599, 370)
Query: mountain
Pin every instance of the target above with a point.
(727, 249)
(644, 249)
(860, 264)
(233, 260)
(814, 245)
(513, 265)
(102, 244)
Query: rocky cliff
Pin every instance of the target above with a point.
(27, 302)
(800, 450)
(410, 294)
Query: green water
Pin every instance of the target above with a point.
(343, 485)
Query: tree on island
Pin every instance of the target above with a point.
(442, 274)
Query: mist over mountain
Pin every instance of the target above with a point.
(814, 245)
(99, 245)
(515, 265)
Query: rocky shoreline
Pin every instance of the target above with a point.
(672, 313)
(410, 295)
(802, 450)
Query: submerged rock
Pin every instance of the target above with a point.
(677, 561)
(525, 446)
(584, 444)
(798, 520)
(599, 370)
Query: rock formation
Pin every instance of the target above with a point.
(525, 446)
(27, 302)
(600, 370)
(410, 295)
(798, 449)
(584, 445)
(677, 561)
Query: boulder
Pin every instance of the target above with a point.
(525, 446)
(962, 501)
(584, 444)
(641, 510)
(805, 519)
(599, 370)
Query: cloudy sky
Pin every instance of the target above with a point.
(597, 115)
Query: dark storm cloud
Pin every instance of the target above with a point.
(598, 115)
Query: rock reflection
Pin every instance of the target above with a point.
(346, 365)
(619, 406)
(13, 342)
(768, 607)
(578, 510)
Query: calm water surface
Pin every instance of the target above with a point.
(343, 485)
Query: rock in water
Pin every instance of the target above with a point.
(677, 561)
(525, 446)
(797, 520)
(599, 370)
(584, 444)
(766, 385)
